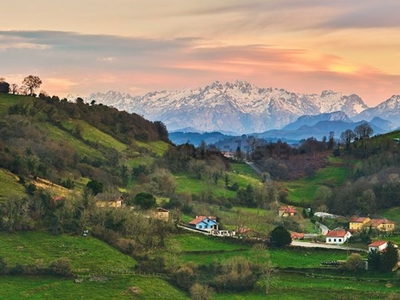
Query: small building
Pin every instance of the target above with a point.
(337, 236)
(204, 223)
(296, 235)
(162, 214)
(381, 225)
(287, 211)
(377, 246)
(109, 200)
(357, 223)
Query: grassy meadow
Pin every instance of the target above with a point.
(115, 287)
(9, 185)
(87, 254)
(303, 190)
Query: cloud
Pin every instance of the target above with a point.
(90, 63)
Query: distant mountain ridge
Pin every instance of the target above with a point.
(238, 107)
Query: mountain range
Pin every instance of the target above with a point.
(242, 108)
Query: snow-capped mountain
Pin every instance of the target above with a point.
(231, 107)
(387, 110)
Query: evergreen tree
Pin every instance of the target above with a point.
(280, 237)
(389, 258)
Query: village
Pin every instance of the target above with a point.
(336, 238)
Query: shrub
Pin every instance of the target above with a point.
(61, 267)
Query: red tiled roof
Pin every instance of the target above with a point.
(198, 219)
(296, 235)
(356, 219)
(336, 233)
(377, 243)
(377, 222)
(288, 209)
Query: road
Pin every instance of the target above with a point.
(324, 229)
(326, 246)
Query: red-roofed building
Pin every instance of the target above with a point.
(357, 223)
(382, 225)
(378, 246)
(287, 211)
(204, 223)
(296, 235)
(337, 236)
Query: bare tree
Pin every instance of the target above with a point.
(347, 137)
(363, 131)
(31, 83)
(14, 88)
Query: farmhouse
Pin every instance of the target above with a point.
(204, 223)
(381, 225)
(337, 236)
(109, 200)
(287, 211)
(357, 223)
(378, 246)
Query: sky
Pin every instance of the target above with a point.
(133, 46)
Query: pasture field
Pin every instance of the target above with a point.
(187, 184)
(9, 185)
(301, 287)
(7, 100)
(115, 287)
(201, 249)
(157, 147)
(92, 134)
(61, 135)
(87, 254)
(242, 168)
(303, 190)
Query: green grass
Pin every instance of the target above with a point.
(61, 135)
(301, 287)
(84, 252)
(157, 147)
(9, 185)
(244, 169)
(186, 183)
(116, 287)
(199, 242)
(7, 100)
(303, 190)
(92, 134)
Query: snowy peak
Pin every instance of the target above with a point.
(236, 106)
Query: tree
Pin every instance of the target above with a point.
(95, 186)
(347, 137)
(145, 200)
(280, 237)
(354, 263)
(31, 83)
(14, 88)
(374, 260)
(4, 87)
(363, 131)
(389, 258)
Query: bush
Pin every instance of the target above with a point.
(61, 267)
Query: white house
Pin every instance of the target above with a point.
(204, 223)
(337, 237)
(377, 246)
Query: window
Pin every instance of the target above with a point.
(329, 240)
(334, 240)
(339, 240)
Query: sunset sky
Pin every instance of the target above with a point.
(87, 46)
